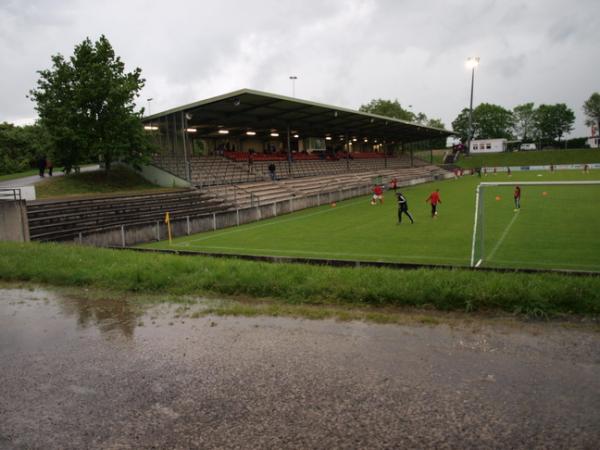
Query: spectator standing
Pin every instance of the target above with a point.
(42, 166)
(250, 162)
(49, 166)
(272, 169)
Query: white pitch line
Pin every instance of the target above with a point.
(504, 234)
(275, 222)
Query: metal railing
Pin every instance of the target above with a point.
(10, 194)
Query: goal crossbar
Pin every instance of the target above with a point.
(513, 183)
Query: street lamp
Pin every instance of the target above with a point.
(472, 62)
(149, 100)
(293, 78)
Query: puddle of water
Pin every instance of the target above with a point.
(38, 318)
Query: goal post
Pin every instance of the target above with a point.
(482, 220)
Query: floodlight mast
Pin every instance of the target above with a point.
(472, 62)
(148, 100)
(293, 78)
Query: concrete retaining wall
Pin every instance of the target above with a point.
(161, 177)
(13, 221)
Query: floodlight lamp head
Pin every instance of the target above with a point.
(472, 62)
(236, 101)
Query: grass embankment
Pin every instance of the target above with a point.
(529, 158)
(444, 290)
(119, 180)
(14, 176)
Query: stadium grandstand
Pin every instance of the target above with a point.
(235, 137)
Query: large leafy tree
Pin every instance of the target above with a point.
(493, 121)
(591, 107)
(554, 121)
(392, 108)
(524, 123)
(489, 121)
(87, 105)
(460, 125)
(388, 108)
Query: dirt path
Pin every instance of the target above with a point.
(95, 374)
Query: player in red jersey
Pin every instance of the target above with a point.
(434, 199)
(377, 195)
(517, 196)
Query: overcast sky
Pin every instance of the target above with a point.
(344, 52)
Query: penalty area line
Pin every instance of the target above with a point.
(503, 236)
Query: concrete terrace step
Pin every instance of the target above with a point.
(56, 219)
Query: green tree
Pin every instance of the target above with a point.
(388, 108)
(554, 121)
(87, 105)
(460, 125)
(591, 107)
(493, 121)
(489, 121)
(21, 146)
(524, 123)
(436, 123)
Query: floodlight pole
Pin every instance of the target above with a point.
(293, 78)
(473, 62)
(149, 100)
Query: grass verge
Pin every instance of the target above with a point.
(119, 180)
(528, 158)
(14, 176)
(539, 295)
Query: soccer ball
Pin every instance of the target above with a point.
(373, 202)
(498, 198)
(333, 205)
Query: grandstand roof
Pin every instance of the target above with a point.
(247, 109)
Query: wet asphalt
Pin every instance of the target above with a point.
(96, 374)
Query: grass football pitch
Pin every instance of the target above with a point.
(557, 227)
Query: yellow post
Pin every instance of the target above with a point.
(168, 222)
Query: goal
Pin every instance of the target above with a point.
(557, 226)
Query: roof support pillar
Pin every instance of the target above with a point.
(188, 168)
(289, 150)
(347, 150)
(385, 152)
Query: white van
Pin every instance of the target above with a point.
(529, 146)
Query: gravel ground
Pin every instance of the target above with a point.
(95, 374)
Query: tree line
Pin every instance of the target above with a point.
(20, 147)
(546, 123)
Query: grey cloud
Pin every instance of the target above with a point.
(343, 51)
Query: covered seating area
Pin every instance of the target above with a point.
(247, 126)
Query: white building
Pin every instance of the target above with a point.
(488, 145)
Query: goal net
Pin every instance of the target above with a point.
(556, 225)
